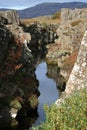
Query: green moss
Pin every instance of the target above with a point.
(14, 123)
(70, 115)
(51, 62)
(15, 104)
(33, 100)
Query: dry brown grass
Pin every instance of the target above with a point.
(43, 19)
(69, 62)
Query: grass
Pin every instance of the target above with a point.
(70, 115)
(42, 19)
(57, 15)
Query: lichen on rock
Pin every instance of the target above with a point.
(78, 76)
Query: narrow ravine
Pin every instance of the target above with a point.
(48, 90)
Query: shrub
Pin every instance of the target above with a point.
(57, 15)
(70, 115)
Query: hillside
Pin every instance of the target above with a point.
(48, 9)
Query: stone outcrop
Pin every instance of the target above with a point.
(71, 29)
(18, 47)
(9, 17)
(18, 83)
(5, 38)
(41, 35)
(78, 76)
(70, 33)
(68, 15)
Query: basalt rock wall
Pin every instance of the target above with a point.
(41, 35)
(20, 45)
(18, 83)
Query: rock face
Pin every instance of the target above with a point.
(18, 48)
(9, 17)
(78, 76)
(14, 46)
(18, 83)
(70, 33)
(71, 29)
(68, 15)
(41, 35)
(5, 37)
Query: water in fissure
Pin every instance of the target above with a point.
(48, 90)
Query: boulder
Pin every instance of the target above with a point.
(9, 17)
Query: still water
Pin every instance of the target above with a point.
(48, 90)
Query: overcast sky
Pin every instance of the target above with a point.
(21, 4)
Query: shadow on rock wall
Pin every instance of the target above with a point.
(18, 83)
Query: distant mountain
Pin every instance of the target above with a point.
(48, 9)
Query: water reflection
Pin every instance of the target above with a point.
(54, 72)
(47, 88)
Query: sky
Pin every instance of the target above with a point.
(21, 4)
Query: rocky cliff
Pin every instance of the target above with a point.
(18, 84)
(41, 35)
(70, 50)
(9, 17)
(19, 47)
(70, 33)
(71, 29)
(78, 76)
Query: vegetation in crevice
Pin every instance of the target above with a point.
(70, 115)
